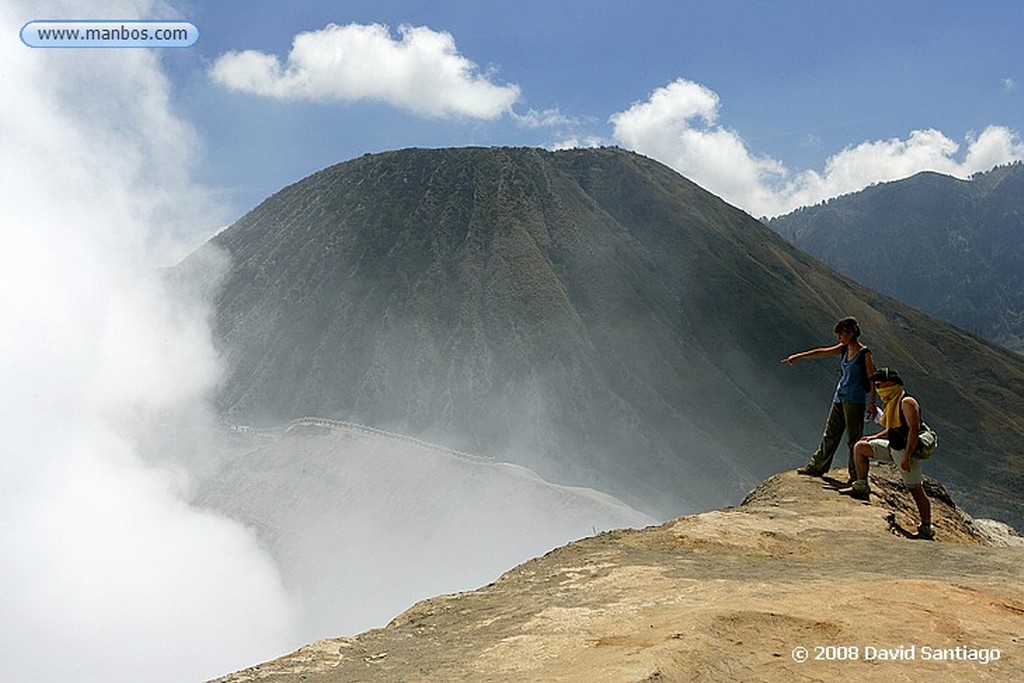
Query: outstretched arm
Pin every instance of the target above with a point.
(814, 353)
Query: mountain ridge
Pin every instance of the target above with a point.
(948, 246)
(587, 313)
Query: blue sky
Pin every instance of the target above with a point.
(770, 105)
(795, 83)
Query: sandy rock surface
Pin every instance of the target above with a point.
(740, 594)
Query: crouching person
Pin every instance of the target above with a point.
(905, 440)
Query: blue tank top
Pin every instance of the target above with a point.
(853, 380)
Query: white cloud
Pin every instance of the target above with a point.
(105, 570)
(854, 168)
(547, 118)
(578, 142)
(421, 72)
(1009, 85)
(677, 125)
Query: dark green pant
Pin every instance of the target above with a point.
(842, 417)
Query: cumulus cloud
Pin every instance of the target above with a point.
(421, 72)
(106, 572)
(856, 167)
(678, 125)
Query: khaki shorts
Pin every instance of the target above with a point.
(915, 477)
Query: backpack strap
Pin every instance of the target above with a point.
(865, 381)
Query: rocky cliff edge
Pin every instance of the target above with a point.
(797, 583)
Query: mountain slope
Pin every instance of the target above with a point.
(729, 595)
(952, 248)
(588, 313)
(362, 524)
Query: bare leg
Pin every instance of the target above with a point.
(924, 506)
(861, 454)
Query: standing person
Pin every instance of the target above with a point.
(903, 440)
(849, 402)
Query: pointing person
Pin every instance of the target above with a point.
(849, 401)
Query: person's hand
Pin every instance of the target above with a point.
(906, 463)
(788, 360)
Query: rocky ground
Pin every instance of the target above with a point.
(798, 583)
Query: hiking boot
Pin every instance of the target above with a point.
(859, 490)
(926, 531)
(810, 471)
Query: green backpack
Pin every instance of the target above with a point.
(927, 440)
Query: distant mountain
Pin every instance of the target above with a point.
(590, 314)
(952, 248)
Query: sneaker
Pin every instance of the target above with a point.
(926, 531)
(810, 471)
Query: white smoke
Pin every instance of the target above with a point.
(364, 525)
(106, 573)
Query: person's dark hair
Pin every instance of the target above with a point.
(886, 375)
(848, 325)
